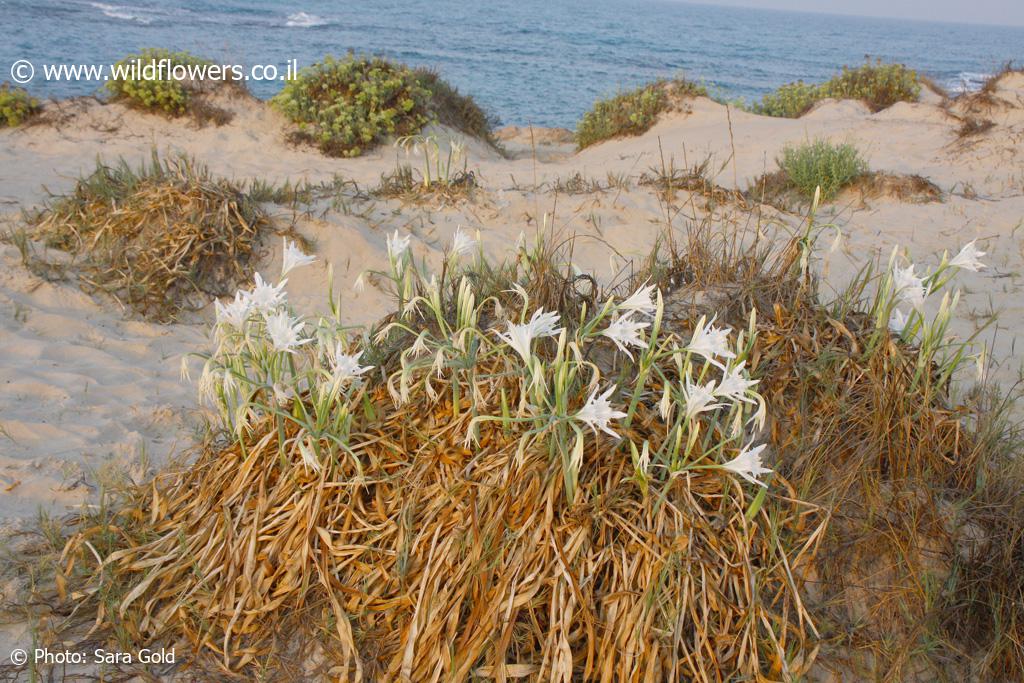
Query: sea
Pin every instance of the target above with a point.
(539, 62)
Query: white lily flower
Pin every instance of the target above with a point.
(734, 385)
(235, 313)
(360, 283)
(909, 287)
(898, 321)
(285, 332)
(520, 337)
(346, 365)
(265, 297)
(309, 457)
(462, 243)
(748, 464)
(665, 404)
(397, 244)
(625, 332)
(699, 398)
(641, 301)
(294, 258)
(710, 342)
(968, 258)
(598, 412)
(283, 394)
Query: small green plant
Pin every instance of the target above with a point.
(16, 105)
(877, 84)
(143, 81)
(349, 105)
(632, 112)
(821, 164)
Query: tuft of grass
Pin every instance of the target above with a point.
(877, 84)
(633, 112)
(821, 164)
(161, 238)
(348, 106)
(164, 94)
(16, 105)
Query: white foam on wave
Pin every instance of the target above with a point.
(304, 20)
(967, 81)
(121, 12)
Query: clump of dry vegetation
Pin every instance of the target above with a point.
(163, 238)
(709, 472)
(986, 99)
(432, 171)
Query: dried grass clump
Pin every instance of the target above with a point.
(161, 239)
(986, 99)
(912, 188)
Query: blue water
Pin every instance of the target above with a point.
(526, 61)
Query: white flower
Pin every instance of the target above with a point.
(968, 258)
(285, 332)
(748, 464)
(309, 457)
(640, 301)
(699, 398)
(520, 337)
(265, 297)
(625, 332)
(710, 342)
(346, 365)
(283, 394)
(397, 244)
(598, 412)
(898, 321)
(909, 286)
(293, 258)
(665, 404)
(360, 283)
(462, 243)
(734, 385)
(234, 313)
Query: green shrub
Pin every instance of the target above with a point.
(452, 108)
(16, 105)
(165, 95)
(821, 164)
(876, 84)
(632, 112)
(349, 105)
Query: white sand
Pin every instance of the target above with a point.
(82, 388)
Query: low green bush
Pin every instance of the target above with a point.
(349, 105)
(165, 94)
(632, 112)
(821, 164)
(16, 105)
(876, 84)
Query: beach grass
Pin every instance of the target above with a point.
(162, 238)
(821, 166)
(633, 112)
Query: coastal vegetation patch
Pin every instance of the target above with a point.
(821, 164)
(350, 105)
(138, 83)
(517, 473)
(877, 84)
(162, 238)
(16, 105)
(633, 112)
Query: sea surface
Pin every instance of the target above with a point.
(540, 62)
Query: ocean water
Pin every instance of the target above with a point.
(540, 62)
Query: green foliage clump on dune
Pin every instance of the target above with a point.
(16, 105)
(821, 164)
(877, 84)
(632, 112)
(161, 94)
